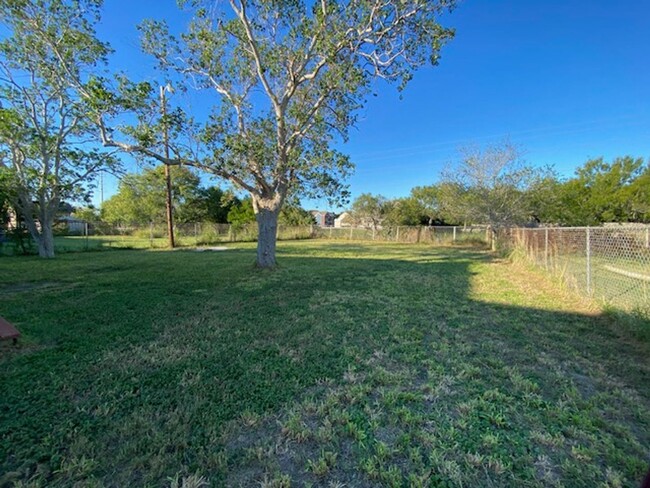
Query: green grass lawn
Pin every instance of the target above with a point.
(66, 244)
(352, 365)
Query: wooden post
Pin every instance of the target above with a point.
(168, 182)
(397, 235)
(546, 247)
(453, 239)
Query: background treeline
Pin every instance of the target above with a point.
(493, 187)
(140, 201)
(487, 186)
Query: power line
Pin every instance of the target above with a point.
(559, 129)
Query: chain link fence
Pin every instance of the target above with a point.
(100, 235)
(435, 235)
(611, 264)
(88, 236)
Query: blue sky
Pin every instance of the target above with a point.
(565, 80)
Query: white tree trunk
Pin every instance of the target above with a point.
(46, 241)
(267, 226)
(42, 233)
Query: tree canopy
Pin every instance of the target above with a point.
(369, 210)
(489, 186)
(599, 192)
(140, 199)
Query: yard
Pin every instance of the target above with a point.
(354, 364)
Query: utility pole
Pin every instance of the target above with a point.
(168, 180)
(101, 188)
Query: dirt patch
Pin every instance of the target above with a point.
(584, 384)
(213, 248)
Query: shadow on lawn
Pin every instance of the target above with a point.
(196, 363)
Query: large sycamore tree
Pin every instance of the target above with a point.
(47, 48)
(284, 79)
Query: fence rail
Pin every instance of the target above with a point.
(611, 264)
(89, 236)
(436, 235)
(208, 233)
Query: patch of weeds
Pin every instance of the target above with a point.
(324, 463)
(294, 428)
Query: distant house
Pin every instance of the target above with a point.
(73, 224)
(64, 222)
(343, 220)
(323, 219)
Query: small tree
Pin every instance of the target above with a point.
(428, 200)
(241, 214)
(288, 79)
(489, 186)
(405, 211)
(141, 197)
(369, 210)
(208, 205)
(295, 216)
(44, 124)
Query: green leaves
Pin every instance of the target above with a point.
(141, 197)
(287, 78)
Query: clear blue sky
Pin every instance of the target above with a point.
(566, 80)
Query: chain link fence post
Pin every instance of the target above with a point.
(546, 247)
(588, 238)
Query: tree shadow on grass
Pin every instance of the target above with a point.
(178, 362)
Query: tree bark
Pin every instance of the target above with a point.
(46, 240)
(43, 237)
(267, 212)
